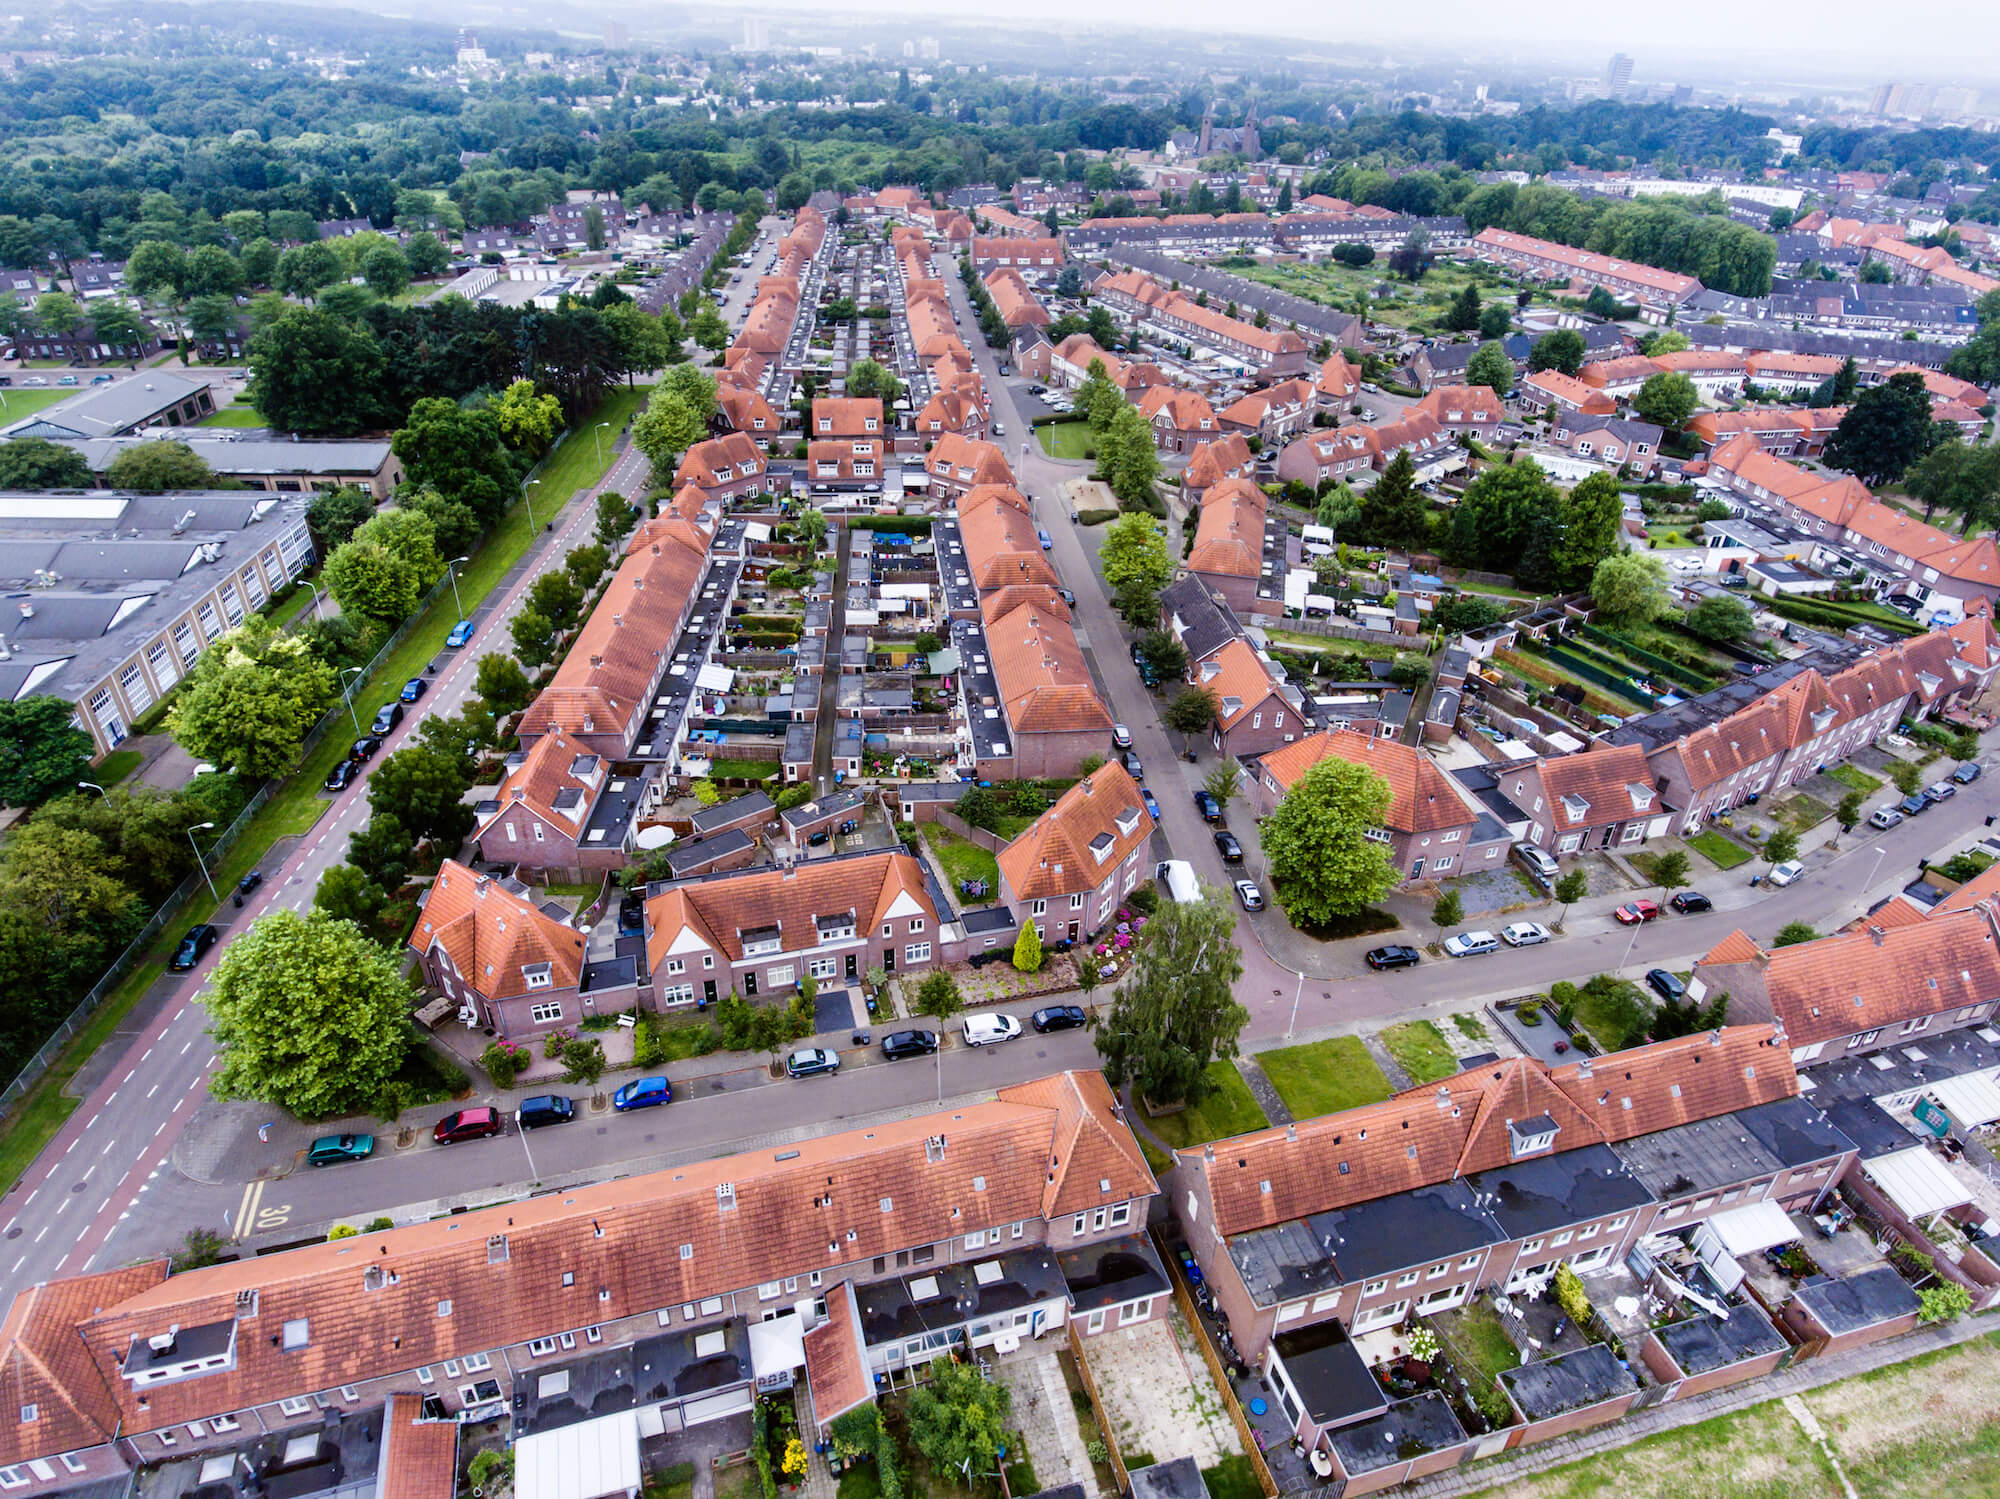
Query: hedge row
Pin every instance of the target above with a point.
(1686, 676)
(1831, 616)
(1611, 681)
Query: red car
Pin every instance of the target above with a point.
(467, 1124)
(1637, 911)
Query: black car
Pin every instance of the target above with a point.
(899, 1044)
(1208, 806)
(632, 915)
(1689, 901)
(342, 775)
(820, 839)
(412, 690)
(387, 717)
(247, 886)
(1666, 985)
(1914, 804)
(1966, 774)
(199, 939)
(1058, 1018)
(1397, 956)
(364, 748)
(1230, 849)
(1133, 767)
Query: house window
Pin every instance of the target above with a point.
(1121, 1215)
(295, 1406)
(917, 952)
(1137, 1311)
(916, 925)
(1407, 1278)
(547, 1013)
(1038, 908)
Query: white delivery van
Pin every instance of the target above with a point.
(1176, 877)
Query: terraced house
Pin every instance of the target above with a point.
(1069, 870)
(506, 963)
(830, 1261)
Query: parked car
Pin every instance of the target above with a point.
(1690, 901)
(545, 1109)
(467, 1124)
(984, 1030)
(68, 380)
(386, 718)
(461, 635)
(1121, 736)
(1058, 1018)
(1538, 860)
(1471, 944)
(810, 1061)
(899, 1044)
(1208, 806)
(1228, 847)
(1967, 773)
(333, 1150)
(341, 776)
(1785, 873)
(1885, 818)
(1525, 934)
(413, 689)
(643, 1093)
(1635, 911)
(1047, 541)
(247, 886)
(818, 840)
(1942, 791)
(100, 379)
(1250, 897)
(1393, 956)
(1666, 985)
(364, 749)
(1914, 805)
(199, 939)
(1152, 805)
(1066, 596)
(1133, 766)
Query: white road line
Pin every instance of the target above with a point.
(38, 1237)
(145, 1054)
(152, 1090)
(184, 1047)
(156, 1133)
(72, 1145)
(34, 1194)
(18, 1264)
(107, 1147)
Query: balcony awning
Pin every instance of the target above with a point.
(1917, 1181)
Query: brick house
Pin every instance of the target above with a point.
(1612, 440)
(492, 951)
(1274, 413)
(1230, 543)
(1001, 547)
(537, 818)
(1256, 709)
(727, 469)
(1181, 419)
(1068, 871)
(1331, 454)
(1474, 410)
(1601, 798)
(1337, 384)
(957, 464)
(1552, 390)
(1055, 719)
(1225, 457)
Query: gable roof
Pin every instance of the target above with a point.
(1859, 981)
(1229, 538)
(1090, 830)
(1217, 459)
(1039, 668)
(1613, 781)
(551, 778)
(1423, 798)
(45, 1366)
(719, 911)
(1241, 681)
(720, 460)
(1001, 547)
(493, 936)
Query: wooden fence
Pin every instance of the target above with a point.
(1103, 1420)
(951, 822)
(1184, 1300)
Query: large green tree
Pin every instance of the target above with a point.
(1887, 429)
(249, 699)
(309, 1015)
(1393, 510)
(1630, 588)
(870, 378)
(1560, 349)
(381, 571)
(1593, 522)
(37, 463)
(1316, 840)
(1134, 555)
(1176, 1012)
(459, 452)
(1954, 475)
(1721, 618)
(1491, 525)
(425, 791)
(42, 751)
(1667, 400)
(959, 1420)
(316, 374)
(1490, 366)
(1127, 460)
(156, 467)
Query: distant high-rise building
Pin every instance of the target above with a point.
(1880, 104)
(1618, 72)
(470, 53)
(928, 48)
(617, 34)
(756, 34)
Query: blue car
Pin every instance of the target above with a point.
(461, 634)
(643, 1093)
(1152, 807)
(413, 689)
(1044, 538)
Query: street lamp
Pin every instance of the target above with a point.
(201, 863)
(351, 671)
(451, 572)
(92, 786)
(599, 441)
(316, 598)
(529, 500)
(1297, 994)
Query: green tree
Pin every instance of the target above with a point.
(615, 518)
(1670, 870)
(528, 419)
(1162, 651)
(585, 565)
(56, 312)
(158, 270)
(1593, 519)
(1496, 320)
(1127, 460)
(501, 682)
(116, 324)
(37, 463)
(1781, 846)
(454, 528)
(42, 751)
(1570, 889)
(386, 270)
(1134, 554)
(1317, 846)
(958, 1419)
(812, 527)
(1630, 588)
(1792, 933)
(1667, 400)
(1490, 366)
(1501, 512)
(1462, 316)
(868, 378)
(347, 893)
(1191, 712)
(1944, 1302)
(259, 262)
(1956, 476)
(249, 699)
(335, 514)
(1176, 1011)
(1721, 618)
(1560, 349)
(1887, 429)
(309, 1015)
(1223, 783)
(304, 271)
(707, 328)
(426, 254)
(1848, 813)
(534, 636)
(381, 571)
(156, 467)
(425, 791)
(316, 374)
(1028, 949)
(667, 428)
(1665, 341)
(1393, 511)
(556, 595)
(458, 451)
(1447, 910)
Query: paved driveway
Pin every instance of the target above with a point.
(1157, 1394)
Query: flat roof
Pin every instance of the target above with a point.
(1408, 1429)
(1732, 1148)
(1869, 1299)
(252, 452)
(671, 1366)
(1112, 1271)
(1707, 1342)
(106, 410)
(1179, 1479)
(1550, 1386)
(1329, 1373)
(935, 1298)
(1553, 1191)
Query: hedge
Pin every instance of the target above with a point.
(1609, 680)
(909, 525)
(1831, 616)
(1686, 676)
(1095, 517)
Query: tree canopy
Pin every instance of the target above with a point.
(1321, 858)
(1176, 1012)
(1887, 429)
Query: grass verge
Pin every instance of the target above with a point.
(117, 765)
(1072, 440)
(1230, 1110)
(1421, 1050)
(1855, 778)
(1723, 853)
(1323, 1077)
(298, 805)
(240, 414)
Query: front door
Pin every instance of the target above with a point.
(888, 960)
(850, 967)
(750, 985)
(1072, 931)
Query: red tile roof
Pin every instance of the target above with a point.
(1422, 798)
(495, 938)
(1070, 847)
(1043, 681)
(1229, 539)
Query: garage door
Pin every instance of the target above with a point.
(715, 1407)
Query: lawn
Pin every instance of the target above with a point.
(1723, 853)
(1072, 440)
(1469, 1026)
(1646, 864)
(1801, 812)
(297, 805)
(117, 765)
(1229, 1110)
(1477, 1339)
(1337, 285)
(1422, 1050)
(963, 860)
(1232, 1478)
(743, 770)
(1324, 1077)
(15, 404)
(236, 414)
(1855, 779)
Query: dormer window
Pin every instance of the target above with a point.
(538, 976)
(1128, 821)
(1642, 796)
(1101, 846)
(1575, 808)
(1529, 1137)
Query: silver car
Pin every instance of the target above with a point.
(1471, 944)
(1524, 934)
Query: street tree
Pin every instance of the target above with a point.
(939, 996)
(1316, 843)
(1490, 366)
(501, 682)
(1887, 429)
(249, 699)
(528, 419)
(556, 595)
(458, 451)
(1570, 889)
(1670, 870)
(42, 751)
(585, 565)
(1191, 712)
(1667, 400)
(534, 635)
(1223, 783)
(1162, 650)
(1781, 846)
(1127, 460)
(1447, 910)
(1722, 619)
(667, 428)
(1630, 588)
(1849, 812)
(1176, 1011)
(615, 518)
(1134, 554)
(425, 791)
(380, 572)
(348, 893)
(309, 1015)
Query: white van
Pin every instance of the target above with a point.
(984, 1030)
(1176, 877)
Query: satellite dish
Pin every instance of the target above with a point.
(656, 836)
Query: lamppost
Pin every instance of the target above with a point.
(599, 441)
(351, 671)
(451, 572)
(92, 786)
(1292, 1024)
(529, 500)
(316, 598)
(201, 863)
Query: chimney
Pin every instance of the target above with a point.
(1877, 934)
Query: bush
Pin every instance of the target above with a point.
(380, 1225)
(1095, 517)
(583, 1062)
(504, 1062)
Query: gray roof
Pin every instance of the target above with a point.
(107, 410)
(1548, 1192)
(1706, 1342)
(1207, 621)
(1874, 1296)
(1179, 1479)
(253, 454)
(1551, 1386)
(1765, 1139)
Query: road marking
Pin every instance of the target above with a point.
(18, 1264)
(145, 1054)
(107, 1147)
(152, 1090)
(246, 1211)
(184, 1047)
(38, 1237)
(156, 1133)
